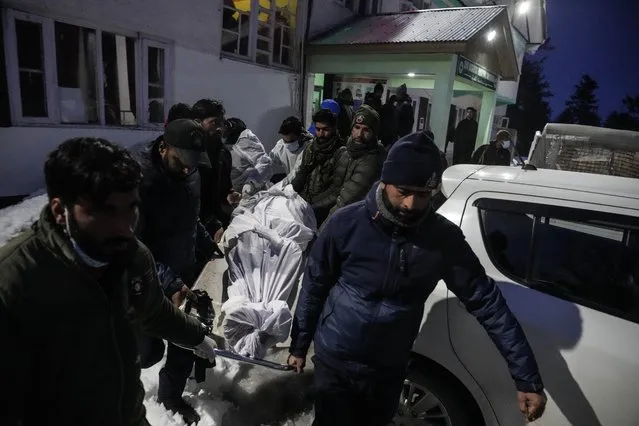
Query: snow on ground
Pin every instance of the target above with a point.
(15, 219)
(206, 398)
(255, 392)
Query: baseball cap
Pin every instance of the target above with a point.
(187, 138)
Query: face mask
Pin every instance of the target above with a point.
(85, 258)
(505, 144)
(292, 146)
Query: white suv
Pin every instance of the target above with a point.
(564, 250)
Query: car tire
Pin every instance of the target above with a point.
(452, 410)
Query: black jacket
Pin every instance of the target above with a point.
(490, 155)
(366, 281)
(363, 166)
(69, 354)
(215, 186)
(169, 220)
(465, 137)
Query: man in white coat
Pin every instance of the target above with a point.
(288, 150)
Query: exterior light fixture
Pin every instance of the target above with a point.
(411, 74)
(524, 7)
(491, 35)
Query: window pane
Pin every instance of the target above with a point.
(262, 58)
(507, 239)
(76, 64)
(118, 57)
(156, 84)
(32, 94)
(287, 56)
(264, 29)
(33, 97)
(29, 36)
(230, 42)
(579, 259)
(236, 27)
(263, 45)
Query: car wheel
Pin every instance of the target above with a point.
(430, 400)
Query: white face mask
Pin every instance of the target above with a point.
(505, 144)
(88, 260)
(292, 146)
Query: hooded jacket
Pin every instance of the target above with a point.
(69, 354)
(365, 284)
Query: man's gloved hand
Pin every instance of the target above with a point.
(206, 349)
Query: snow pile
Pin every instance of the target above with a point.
(19, 217)
(206, 398)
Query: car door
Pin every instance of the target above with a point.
(567, 270)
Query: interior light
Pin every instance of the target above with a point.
(524, 7)
(411, 74)
(491, 35)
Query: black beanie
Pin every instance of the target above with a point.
(368, 117)
(414, 161)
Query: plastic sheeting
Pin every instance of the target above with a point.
(264, 247)
(251, 163)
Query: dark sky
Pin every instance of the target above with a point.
(597, 37)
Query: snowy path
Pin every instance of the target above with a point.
(232, 395)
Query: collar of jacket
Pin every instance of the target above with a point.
(382, 215)
(356, 149)
(47, 228)
(328, 147)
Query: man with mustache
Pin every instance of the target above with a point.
(362, 299)
(320, 174)
(364, 160)
(170, 227)
(72, 290)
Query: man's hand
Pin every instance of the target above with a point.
(218, 235)
(297, 362)
(532, 404)
(184, 293)
(206, 349)
(234, 198)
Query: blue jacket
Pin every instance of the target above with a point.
(366, 281)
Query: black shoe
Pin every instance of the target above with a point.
(181, 407)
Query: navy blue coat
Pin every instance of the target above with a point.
(366, 281)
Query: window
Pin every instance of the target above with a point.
(579, 255)
(71, 74)
(260, 31)
(32, 75)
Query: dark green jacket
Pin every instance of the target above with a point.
(363, 166)
(320, 176)
(68, 351)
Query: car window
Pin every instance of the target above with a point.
(507, 237)
(574, 254)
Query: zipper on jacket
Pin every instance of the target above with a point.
(385, 284)
(120, 367)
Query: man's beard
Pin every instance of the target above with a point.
(105, 251)
(405, 216)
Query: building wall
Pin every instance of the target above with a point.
(327, 14)
(261, 96)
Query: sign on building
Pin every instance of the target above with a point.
(474, 72)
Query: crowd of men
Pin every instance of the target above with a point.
(90, 293)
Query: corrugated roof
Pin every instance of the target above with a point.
(425, 26)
